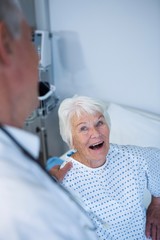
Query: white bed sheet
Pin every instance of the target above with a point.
(133, 126)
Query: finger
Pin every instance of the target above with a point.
(158, 233)
(148, 229)
(67, 167)
(59, 173)
(54, 170)
(154, 232)
(63, 171)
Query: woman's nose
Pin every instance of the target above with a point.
(94, 132)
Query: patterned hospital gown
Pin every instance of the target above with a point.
(113, 193)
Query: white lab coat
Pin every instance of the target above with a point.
(31, 205)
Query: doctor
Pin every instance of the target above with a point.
(32, 204)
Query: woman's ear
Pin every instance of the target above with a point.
(6, 42)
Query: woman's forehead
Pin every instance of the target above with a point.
(85, 117)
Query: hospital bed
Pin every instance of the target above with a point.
(134, 127)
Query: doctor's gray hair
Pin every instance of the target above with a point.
(11, 15)
(77, 105)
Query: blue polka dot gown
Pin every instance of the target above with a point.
(113, 193)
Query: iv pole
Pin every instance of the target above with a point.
(43, 136)
(50, 101)
(42, 39)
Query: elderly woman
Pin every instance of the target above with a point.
(109, 179)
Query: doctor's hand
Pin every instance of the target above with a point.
(59, 173)
(153, 219)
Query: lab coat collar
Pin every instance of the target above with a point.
(28, 140)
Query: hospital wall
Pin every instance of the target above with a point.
(108, 49)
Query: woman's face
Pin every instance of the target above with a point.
(90, 135)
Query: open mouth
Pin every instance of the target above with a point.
(96, 146)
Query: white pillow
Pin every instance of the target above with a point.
(129, 126)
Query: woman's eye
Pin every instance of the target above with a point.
(99, 123)
(84, 128)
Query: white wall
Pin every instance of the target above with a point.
(109, 49)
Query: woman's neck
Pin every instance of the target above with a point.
(89, 163)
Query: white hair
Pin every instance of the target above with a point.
(11, 15)
(77, 105)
